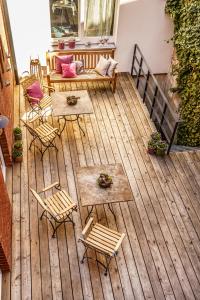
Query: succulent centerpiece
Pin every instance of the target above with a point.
(104, 180)
(72, 100)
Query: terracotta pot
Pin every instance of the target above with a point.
(71, 44)
(151, 151)
(18, 158)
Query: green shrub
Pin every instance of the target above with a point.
(17, 130)
(186, 16)
(16, 153)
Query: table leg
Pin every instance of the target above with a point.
(65, 121)
(91, 210)
(111, 209)
(78, 116)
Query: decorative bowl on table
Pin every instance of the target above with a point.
(72, 100)
(104, 180)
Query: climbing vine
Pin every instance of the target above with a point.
(186, 16)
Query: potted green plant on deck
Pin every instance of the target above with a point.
(17, 155)
(18, 145)
(151, 147)
(156, 136)
(17, 133)
(161, 148)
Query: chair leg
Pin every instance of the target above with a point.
(107, 265)
(84, 255)
(42, 214)
(32, 143)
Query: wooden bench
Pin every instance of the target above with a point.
(90, 57)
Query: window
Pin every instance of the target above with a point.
(64, 16)
(99, 17)
(82, 18)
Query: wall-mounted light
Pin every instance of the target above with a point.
(3, 123)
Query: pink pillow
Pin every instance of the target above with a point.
(69, 70)
(35, 91)
(67, 59)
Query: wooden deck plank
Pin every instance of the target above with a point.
(159, 257)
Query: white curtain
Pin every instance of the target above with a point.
(99, 17)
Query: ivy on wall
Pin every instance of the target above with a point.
(186, 16)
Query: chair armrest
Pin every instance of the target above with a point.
(33, 98)
(34, 119)
(119, 242)
(55, 184)
(87, 227)
(49, 87)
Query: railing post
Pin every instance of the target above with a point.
(154, 99)
(163, 114)
(139, 72)
(146, 85)
(133, 62)
(172, 137)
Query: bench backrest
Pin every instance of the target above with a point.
(90, 57)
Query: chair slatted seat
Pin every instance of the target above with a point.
(103, 240)
(57, 207)
(45, 133)
(45, 103)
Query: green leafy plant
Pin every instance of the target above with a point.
(161, 148)
(152, 146)
(156, 136)
(186, 17)
(17, 130)
(16, 153)
(18, 145)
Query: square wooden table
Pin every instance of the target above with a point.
(61, 108)
(92, 194)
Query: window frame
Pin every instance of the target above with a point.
(81, 38)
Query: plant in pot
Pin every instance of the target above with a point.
(18, 145)
(156, 136)
(72, 43)
(17, 133)
(161, 148)
(17, 155)
(152, 145)
(104, 180)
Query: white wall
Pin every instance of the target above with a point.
(144, 22)
(139, 21)
(30, 24)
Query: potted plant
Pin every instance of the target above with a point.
(151, 147)
(17, 133)
(61, 44)
(156, 136)
(161, 148)
(18, 145)
(17, 155)
(104, 180)
(71, 43)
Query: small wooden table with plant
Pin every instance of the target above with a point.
(103, 184)
(70, 103)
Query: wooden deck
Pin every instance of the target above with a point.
(160, 255)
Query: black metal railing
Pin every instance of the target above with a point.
(160, 110)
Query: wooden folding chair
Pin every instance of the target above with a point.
(45, 104)
(45, 133)
(57, 207)
(36, 68)
(103, 240)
